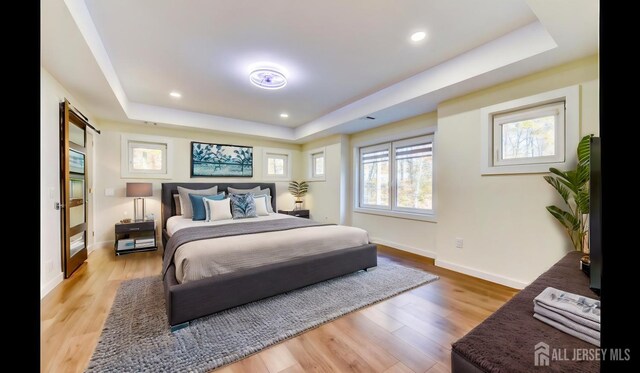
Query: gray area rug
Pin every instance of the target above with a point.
(136, 336)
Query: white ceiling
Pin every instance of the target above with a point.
(344, 60)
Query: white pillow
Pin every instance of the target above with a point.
(207, 212)
(268, 200)
(219, 210)
(261, 206)
(185, 202)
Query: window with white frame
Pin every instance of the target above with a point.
(145, 156)
(531, 134)
(277, 164)
(397, 176)
(317, 165)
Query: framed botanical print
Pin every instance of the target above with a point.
(221, 160)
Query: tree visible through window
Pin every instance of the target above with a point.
(529, 138)
(532, 135)
(398, 175)
(414, 175)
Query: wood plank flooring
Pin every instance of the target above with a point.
(411, 332)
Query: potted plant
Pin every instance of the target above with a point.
(298, 190)
(573, 187)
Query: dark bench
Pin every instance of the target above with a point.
(506, 340)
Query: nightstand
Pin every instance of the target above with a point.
(298, 213)
(135, 237)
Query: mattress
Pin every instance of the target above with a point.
(206, 258)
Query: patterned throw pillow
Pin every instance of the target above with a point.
(243, 206)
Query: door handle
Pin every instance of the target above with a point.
(58, 205)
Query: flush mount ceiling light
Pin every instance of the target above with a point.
(267, 79)
(417, 36)
(175, 94)
(284, 115)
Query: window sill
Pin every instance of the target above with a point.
(534, 168)
(397, 214)
(276, 179)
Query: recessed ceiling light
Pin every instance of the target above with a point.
(284, 115)
(267, 79)
(417, 36)
(175, 94)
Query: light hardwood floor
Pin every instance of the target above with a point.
(411, 332)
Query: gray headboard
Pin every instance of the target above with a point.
(169, 189)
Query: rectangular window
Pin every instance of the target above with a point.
(375, 175)
(276, 164)
(147, 157)
(529, 136)
(317, 165)
(398, 176)
(414, 175)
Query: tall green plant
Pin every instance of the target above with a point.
(573, 187)
(298, 189)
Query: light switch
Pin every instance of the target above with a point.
(109, 192)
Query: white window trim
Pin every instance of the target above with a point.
(555, 109)
(426, 131)
(361, 204)
(126, 173)
(265, 165)
(310, 169)
(571, 97)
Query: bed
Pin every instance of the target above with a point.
(225, 272)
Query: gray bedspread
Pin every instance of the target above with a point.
(186, 235)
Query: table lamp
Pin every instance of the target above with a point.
(139, 191)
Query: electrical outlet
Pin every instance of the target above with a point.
(459, 243)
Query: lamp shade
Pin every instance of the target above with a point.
(139, 190)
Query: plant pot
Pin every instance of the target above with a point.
(585, 265)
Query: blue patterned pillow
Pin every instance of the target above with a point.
(243, 206)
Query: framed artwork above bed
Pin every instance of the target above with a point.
(221, 160)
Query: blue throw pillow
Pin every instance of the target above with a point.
(243, 206)
(198, 205)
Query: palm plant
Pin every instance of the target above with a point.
(298, 189)
(573, 187)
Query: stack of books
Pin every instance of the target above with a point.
(126, 244)
(145, 242)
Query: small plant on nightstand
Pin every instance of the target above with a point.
(298, 190)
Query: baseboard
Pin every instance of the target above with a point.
(399, 246)
(502, 280)
(51, 284)
(102, 245)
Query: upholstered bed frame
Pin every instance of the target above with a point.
(186, 302)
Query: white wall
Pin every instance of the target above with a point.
(51, 94)
(112, 208)
(509, 237)
(410, 235)
(326, 198)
